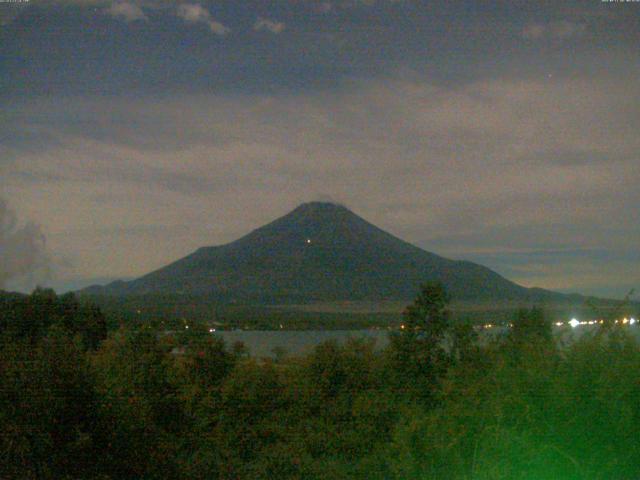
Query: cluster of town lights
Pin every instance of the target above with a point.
(573, 323)
(576, 323)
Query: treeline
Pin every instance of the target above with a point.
(171, 312)
(78, 403)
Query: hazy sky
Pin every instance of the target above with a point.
(506, 133)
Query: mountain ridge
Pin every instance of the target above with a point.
(317, 252)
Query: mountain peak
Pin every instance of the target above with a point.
(320, 208)
(313, 215)
(320, 251)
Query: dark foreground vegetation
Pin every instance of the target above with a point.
(78, 402)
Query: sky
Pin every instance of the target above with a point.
(506, 133)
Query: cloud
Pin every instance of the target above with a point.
(194, 13)
(269, 25)
(128, 12)
(22, 248)
(554, 30)
(463, 170)
(324, 7)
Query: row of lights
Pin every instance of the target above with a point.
(575, 322)
(211, 330)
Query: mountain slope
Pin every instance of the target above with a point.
(318, 252)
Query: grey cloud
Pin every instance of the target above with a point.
(129, 12)
(549, 258)
(264, 24)
(462, 170)
(22, 248)
(196, 13)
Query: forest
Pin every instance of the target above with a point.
(79, 400)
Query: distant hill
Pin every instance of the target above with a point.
(320, 252)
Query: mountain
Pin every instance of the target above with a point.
(320, 252)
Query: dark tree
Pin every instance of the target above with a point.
(418, 353)
(32, 316)
(427, 317)
(531, 325)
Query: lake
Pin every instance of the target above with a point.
(261, 343)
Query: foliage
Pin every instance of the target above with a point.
(436, 403)
(31, 317)
(531, 325)
(418, 353)
(526, 411)
(47, 403)
(138, 411)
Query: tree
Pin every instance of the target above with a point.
(517, 412)
(31, 317)
(531, 325)
(427, 317)
(46, 408)
(139, 412)
(417, 354)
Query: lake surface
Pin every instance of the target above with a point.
(295, 342)
(262, 343)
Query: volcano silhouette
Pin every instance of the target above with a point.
(319, 252)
